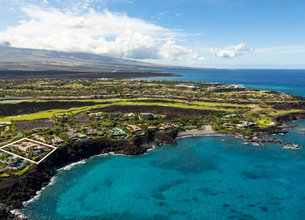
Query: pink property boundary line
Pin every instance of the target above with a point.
(29, 140)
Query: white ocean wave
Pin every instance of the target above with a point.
(202, 135)
(152, 148)
(18, 213)
(38, 194)
(53, 180)
(72, 165)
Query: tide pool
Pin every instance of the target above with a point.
(200, 178)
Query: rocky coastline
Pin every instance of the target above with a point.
(260, 137)
(15, 190)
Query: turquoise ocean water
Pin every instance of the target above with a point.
(200, 178)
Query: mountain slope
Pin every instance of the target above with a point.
(44, 60)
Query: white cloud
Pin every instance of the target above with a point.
(198, 58)
(232, 51)
(103, 32)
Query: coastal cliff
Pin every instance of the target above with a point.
(290, 117)
(15, 190)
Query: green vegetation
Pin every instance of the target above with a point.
(20, 173)
(227, 108)
(177, 104)
(50, 113)
(264, 121)
(285, 112)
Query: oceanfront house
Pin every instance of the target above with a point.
(93, 132)
(64, 118)
(96, 115)
(24, 146)
(71, 133)
(57, 140)
(184, 86)
(245, 124)
(134, 128)
(228, 125)
(175, 126)
(152, 128)
(164, 127)
(227, 88)
(117, 132)
(38, 149)
(129, 115)
(75, 136)
(147, 116)
(11, 164)
(81, 136)
(116, 115)
(228, 117)
(38, 137)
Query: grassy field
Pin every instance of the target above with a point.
(178, 103)
(229, 107)
(285, 112)
(50, 113)
(265, 121)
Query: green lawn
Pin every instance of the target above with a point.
(135, 101)
(264, 121)
(50, 113)
(285, 112)
(20, 173)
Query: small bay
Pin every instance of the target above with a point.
(201, 178)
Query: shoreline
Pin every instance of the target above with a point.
(77, 153)
(205, 131)
(19, 212)
(16, 191)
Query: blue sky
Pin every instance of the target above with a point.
(202, 33)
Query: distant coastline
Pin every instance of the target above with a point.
(129, 118)
(12, 74)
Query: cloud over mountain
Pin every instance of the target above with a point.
(102, 32)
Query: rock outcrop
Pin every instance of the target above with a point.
(15, 190)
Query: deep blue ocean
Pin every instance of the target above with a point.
(289, 81)
(201, 178)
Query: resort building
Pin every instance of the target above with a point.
(152, 128)
(129, 115)
(183, 86)
(117, 132)
(228, 117)
(147, 115)
(134, 128)
(164, 127)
